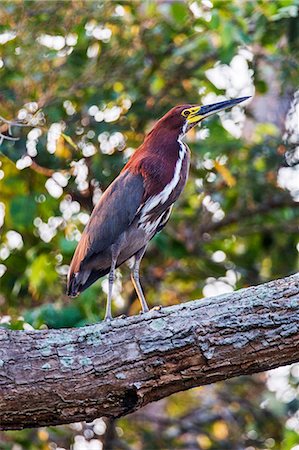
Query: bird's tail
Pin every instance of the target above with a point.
(73, 287)
(79, 281)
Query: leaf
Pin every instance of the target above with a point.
(157, 84)
(225, 173)
(42, 275)
(227, 35)
(22, 211)
(179, 12)
(54, 316)
(62, 151)
(69, 140)
(215, 20)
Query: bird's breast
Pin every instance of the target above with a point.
(154, 207)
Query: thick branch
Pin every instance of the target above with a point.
(52, 377)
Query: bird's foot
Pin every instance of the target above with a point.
(122, 316)
(144, 310)
(156, 308)
(108, 318)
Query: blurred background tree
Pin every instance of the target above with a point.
(90, 78)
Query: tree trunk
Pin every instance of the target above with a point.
(50, 377)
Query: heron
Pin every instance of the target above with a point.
(138, 203)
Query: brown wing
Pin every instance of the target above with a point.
(112, 215)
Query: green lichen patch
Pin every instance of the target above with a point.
(46, 366)
(59, 339)
(67, 361)
(65, 350)
(46, 351)
(158, 324)
(120, 376)
(85, 361)
(94, 338)
(294, 303)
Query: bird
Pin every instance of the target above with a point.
(138, 203)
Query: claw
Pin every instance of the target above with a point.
(156, 308)
(122, 316)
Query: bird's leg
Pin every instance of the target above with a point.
(135, 279)
(111, 278)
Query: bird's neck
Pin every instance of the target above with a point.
(158, 159)
(164, 142)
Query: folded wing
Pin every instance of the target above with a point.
(112, 215)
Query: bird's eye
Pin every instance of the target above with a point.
(185, 113)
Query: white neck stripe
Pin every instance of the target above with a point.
(162, 197)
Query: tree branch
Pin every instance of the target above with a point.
(50, 377)
(237, 215)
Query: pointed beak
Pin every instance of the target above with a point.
(198, 113)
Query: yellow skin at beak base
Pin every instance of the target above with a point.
(192, 114)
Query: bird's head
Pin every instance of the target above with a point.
(182, 118)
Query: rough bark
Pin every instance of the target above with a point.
(52, 377)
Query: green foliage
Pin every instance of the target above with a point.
(102, 72)
(22, 211)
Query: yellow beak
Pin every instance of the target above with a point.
(198, 113)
